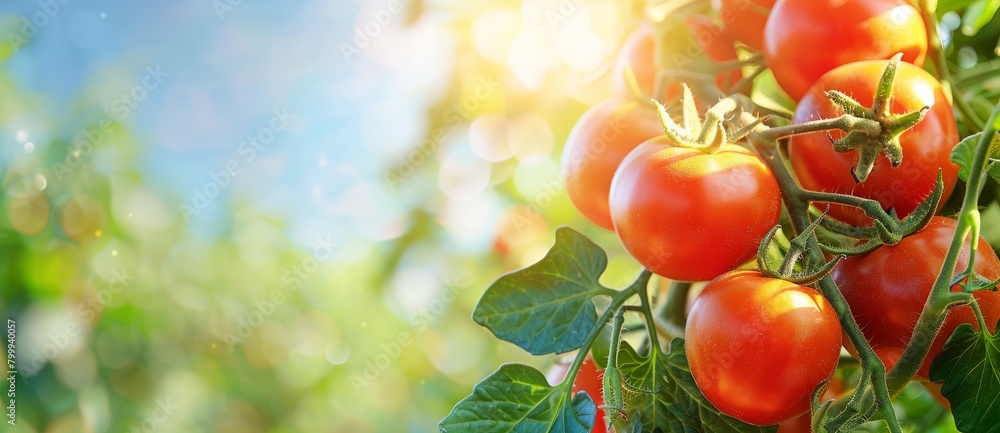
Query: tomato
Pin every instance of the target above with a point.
(719, 45)
(639, 52)
(688, 215)
(926, 147)
(745, 19)
(590, 380)
(758, 347)
(888, 287)
(598, 143)
(803, 39)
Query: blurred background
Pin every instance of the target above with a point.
(238, 216)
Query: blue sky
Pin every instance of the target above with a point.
(225, 72)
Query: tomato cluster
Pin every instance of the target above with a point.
(693, 203)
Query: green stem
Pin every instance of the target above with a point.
(798, 210)
(935, 309)
(937, 56)
(647, 313)
(616, 303)
(673, 309)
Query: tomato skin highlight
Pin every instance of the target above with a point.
(589, 379)
(691, 216)
(758, 347)
(597, 144)
(803, 39)
(887, 290)
(745, 19)
(926, 147)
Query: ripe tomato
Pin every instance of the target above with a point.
(589, 379)
(803, 39)
(745, 19)
(888, 287)
(759, 346)
(719, 45)
(639, 52)
(598, 143)
(688, 215)
(926, 147)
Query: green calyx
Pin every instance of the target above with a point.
(887, 228)
(710, 134)
(887, 140)
(797, 250)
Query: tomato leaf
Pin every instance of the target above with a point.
(663, 394)
(963, 153)
(517, 398)
(969, 367)
(547, 307)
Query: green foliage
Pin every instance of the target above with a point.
(677, 405)
(965, 150)
(516, 398)
(969, 367)
(547, 307)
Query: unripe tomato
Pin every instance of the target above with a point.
(758, 347)
(688, 215)
(887, 289)
(590, 380)
(745, 19)
(803, 39)
(926, 147)
(598, 143)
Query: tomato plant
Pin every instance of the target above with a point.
(744, 323)
(598, 143)
(673, 208)
(589, 380)
(887, 289)
(926, 147)
(835, 199)
(803, 39)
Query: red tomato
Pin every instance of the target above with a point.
(888, 287)
(759, 346)
(719, 45)
(590, 380)
(598, 143)
(745, 19)
(926, 147)
(688, 215)
(803, 39)
(638, 52)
